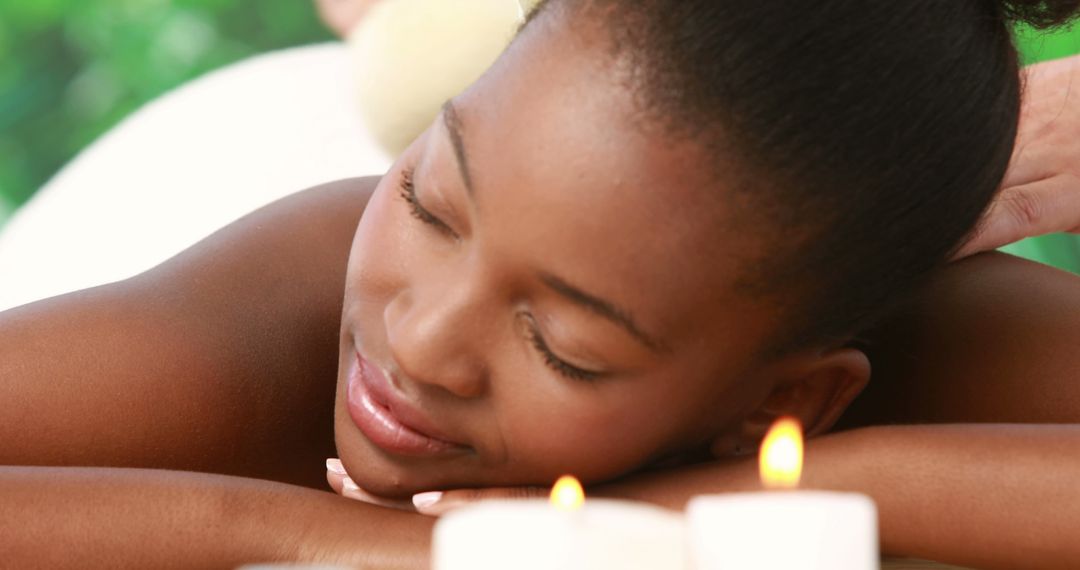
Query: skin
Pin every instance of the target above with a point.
(229, 359)
(341, 16)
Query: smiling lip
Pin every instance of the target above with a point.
(388, 422)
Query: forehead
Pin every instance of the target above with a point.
(570, 181)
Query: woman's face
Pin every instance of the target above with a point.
(538, 281)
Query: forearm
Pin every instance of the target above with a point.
(128, 518)
(985, 496)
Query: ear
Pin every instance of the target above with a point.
(814, 388)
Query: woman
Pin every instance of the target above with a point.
(648, 231)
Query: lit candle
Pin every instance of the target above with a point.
(792, 530)
(565, 533)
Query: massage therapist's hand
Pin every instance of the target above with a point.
(1041, 191)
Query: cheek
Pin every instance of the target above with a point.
(595, 437)
(379, 253)
(601, 432)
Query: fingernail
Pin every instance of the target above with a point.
(334, 466)
(424, 500)
(350, 486)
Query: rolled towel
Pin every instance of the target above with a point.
(413, 55)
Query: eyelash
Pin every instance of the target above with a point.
(407, 191)
(554, 362)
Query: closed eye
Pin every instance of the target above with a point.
(554, 362)
(408, 193)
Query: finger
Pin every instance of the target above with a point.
(1029, 162)
(335, 474)
(436, 503)
(1043, 207)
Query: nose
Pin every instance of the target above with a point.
(434, 335)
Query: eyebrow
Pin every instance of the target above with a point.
(453, 126)
(603, 308)
(599, 306)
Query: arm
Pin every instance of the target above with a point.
(989, 497)
(134, 518)
(221, 359)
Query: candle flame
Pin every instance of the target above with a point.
(567, 494)
(781, 458)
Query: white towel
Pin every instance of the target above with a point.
(185, 165)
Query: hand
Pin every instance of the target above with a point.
(432, 503)
(1041, 190)
(670, 488)
(341, 16)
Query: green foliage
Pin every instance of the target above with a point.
(71, 69)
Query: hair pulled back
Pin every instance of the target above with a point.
(1039, 13)
(869, 136)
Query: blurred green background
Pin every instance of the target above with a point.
(71, 69)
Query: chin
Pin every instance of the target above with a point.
(372, 470)
(389, 483)
(375, 475)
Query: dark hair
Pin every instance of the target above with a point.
(870, 135)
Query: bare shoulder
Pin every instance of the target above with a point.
(220, 359)
(284, 261)
(990, 339)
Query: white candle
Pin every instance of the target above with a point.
(788, 530)
(793, 530)
(534, 534)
